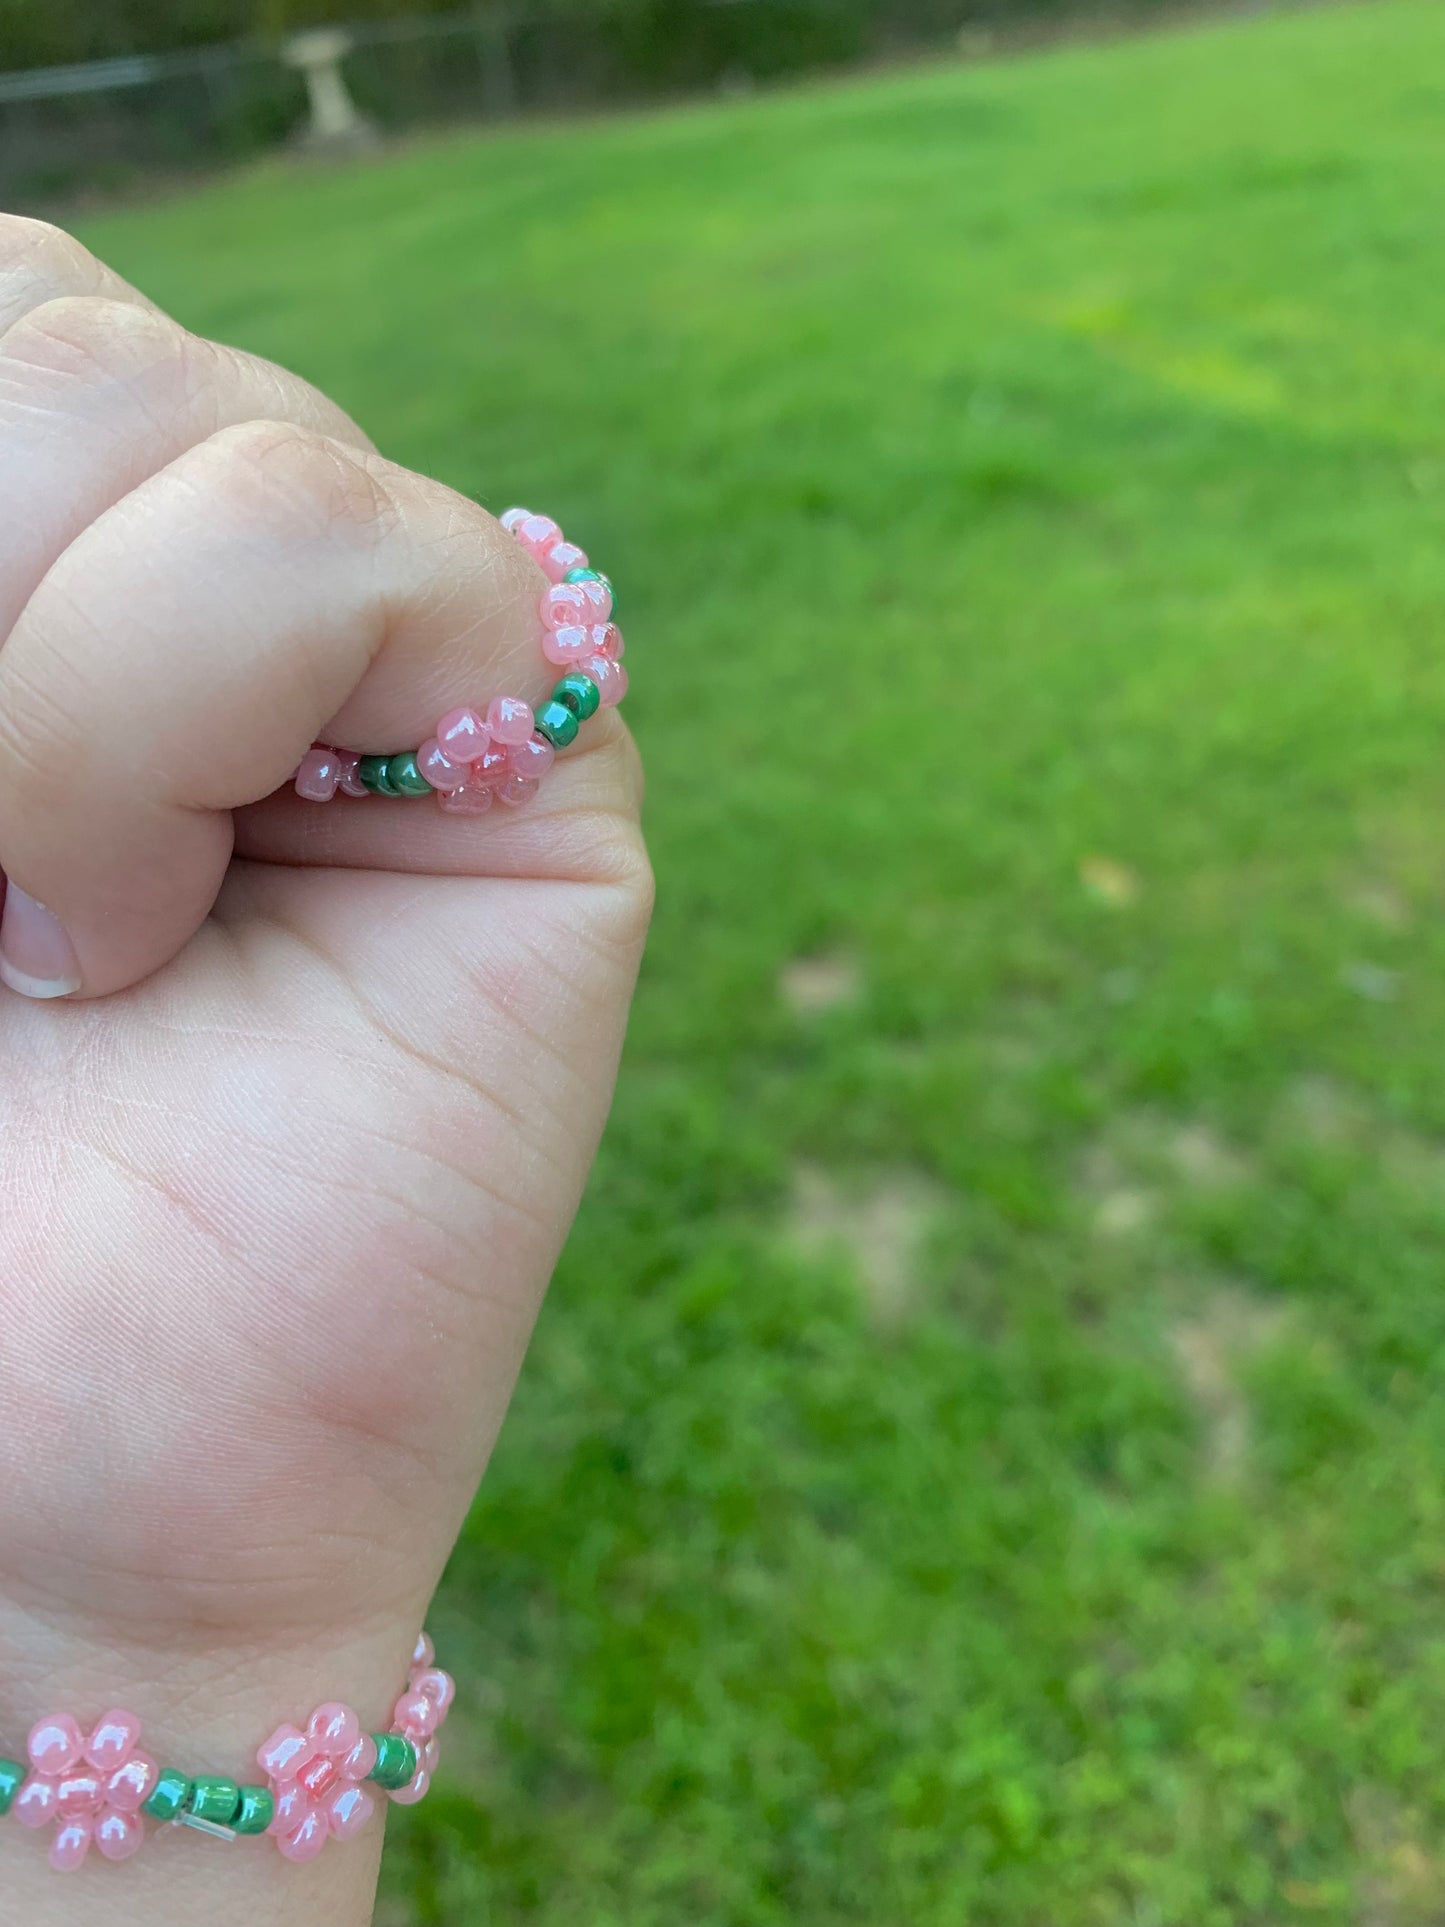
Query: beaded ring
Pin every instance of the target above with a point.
(473, 758)
(96, 1789)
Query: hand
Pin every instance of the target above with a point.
(287, 1167)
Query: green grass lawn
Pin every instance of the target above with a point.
(983, 1462)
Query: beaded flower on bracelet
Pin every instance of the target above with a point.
(477, 758)
(97, 1789)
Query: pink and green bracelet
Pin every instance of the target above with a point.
(479, 757)
(97, 1789)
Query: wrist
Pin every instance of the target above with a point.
(207, 1711)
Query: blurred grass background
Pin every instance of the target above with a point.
(983, 1460)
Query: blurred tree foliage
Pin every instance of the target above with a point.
(38, 32)
(41, 32)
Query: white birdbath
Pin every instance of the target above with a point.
(336, 121)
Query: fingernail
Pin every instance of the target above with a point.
(36, 956)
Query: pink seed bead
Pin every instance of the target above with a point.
(55, 1744)
(511, 518)
(318, 1777)
(348, 1811)
(35, 1803)
(564, 606)
(509, 719)
(439, 769)
(335, 1729)
(494, 767)
(113, 1741)
(408, 1796)
(360, 1762)
(516, 791)
(293, 1804)
(118, 1835)
(306, 1841)
(537, 534)
(317, 776)
(70, 1845)
(437, 1686)
(532, 758)
(416, 1715)
(349, 781)
(431, 1756)
(131, 1785)
(564, 556)
(424, 1653)
(610, 643)
(78, 1794)
(285, 1753)
(462, 736)
(610, 678)
(567, 647)
(599, 598)
(472, 801)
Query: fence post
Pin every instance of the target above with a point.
(499, 77)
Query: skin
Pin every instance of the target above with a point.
(283, 1181)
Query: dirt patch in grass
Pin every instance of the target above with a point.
(1323, 1111)
(1204, 1160)
(1129, 1171)
(1403, 1881)
(813, 984)
(1211, 1345)
(881, 1222)
(1125, 1211)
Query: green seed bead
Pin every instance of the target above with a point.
(579, 694)
(402, 772)
(373, 772)
(172, 1790)
(12, 1778)
(556, 722)
(256, 1811)
(214, 1799)
(395, 1761)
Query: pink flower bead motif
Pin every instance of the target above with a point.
(420, 1713)
(91, 1789)
(317, 1780)
(479, 792)
(509, 719)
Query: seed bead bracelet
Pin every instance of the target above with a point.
(97, 1789)
(501, 754)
